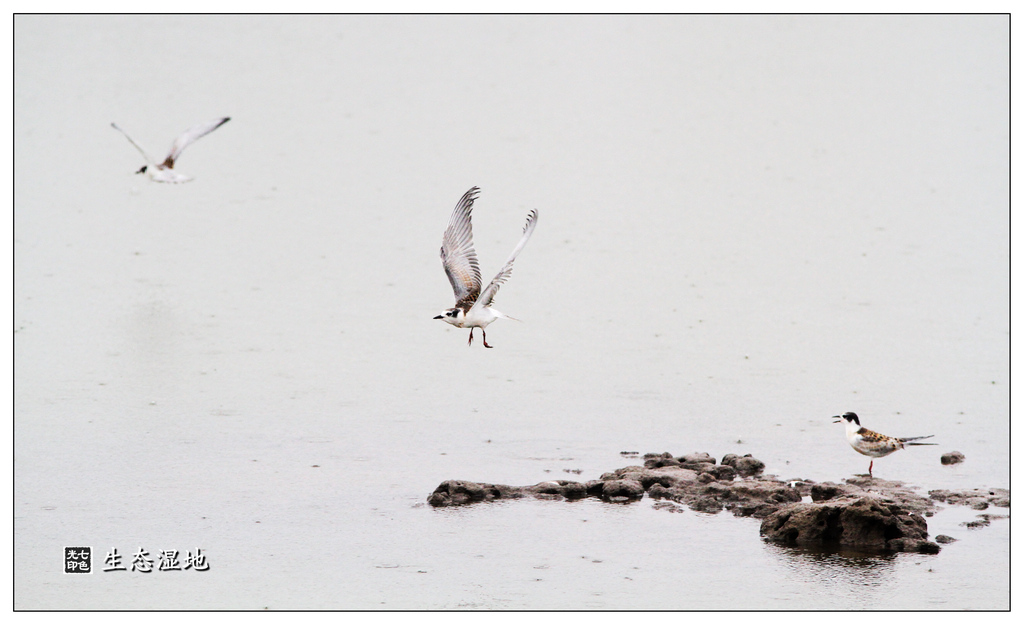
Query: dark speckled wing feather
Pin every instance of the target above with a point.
(869, 435)
(876, 445)
(458, 255)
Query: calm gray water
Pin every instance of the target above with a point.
(747, 224)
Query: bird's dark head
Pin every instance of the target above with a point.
(143, 170)
(849, 417)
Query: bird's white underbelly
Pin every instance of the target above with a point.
(167, 175)
(479, 318)
(875, 449)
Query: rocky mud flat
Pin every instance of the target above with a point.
(864, 513)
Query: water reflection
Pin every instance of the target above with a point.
(836, 566)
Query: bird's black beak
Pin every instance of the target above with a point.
(836, 419)
(439, 317)
(143, 170)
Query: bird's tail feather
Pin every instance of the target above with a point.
(501, 315)
(917, 438)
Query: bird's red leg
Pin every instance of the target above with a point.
(471, 336)
(869, 469)
(484, 332)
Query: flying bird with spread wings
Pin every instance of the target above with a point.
(164, 171)
(473, 303)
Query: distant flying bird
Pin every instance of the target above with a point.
(473, 306)
(873, 444)
(164, 172)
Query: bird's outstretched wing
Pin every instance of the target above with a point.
(487, 297)
(137, 146)
(189, 136)
(457, 253)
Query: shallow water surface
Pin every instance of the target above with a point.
(747, 225)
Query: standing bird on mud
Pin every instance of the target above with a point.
(472, 305)
(164, 171)
(873, 444)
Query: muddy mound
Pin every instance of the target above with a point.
(862, 512)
